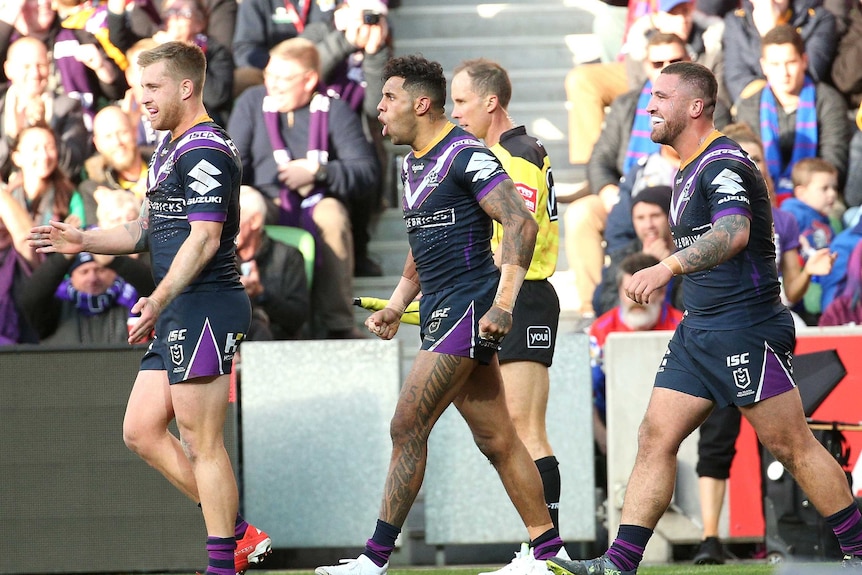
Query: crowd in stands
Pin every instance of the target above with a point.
(288, 79)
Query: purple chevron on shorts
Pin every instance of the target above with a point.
(206, 357)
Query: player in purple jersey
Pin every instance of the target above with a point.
(453, 188)
(199, 308)
(735, 343)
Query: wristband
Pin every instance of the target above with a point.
(405, 292)
(673, 264)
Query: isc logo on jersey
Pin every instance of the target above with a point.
(204, 183)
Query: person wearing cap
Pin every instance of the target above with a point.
(84, 299)
(649, 212)
(626, 316)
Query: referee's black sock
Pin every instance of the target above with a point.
(549, 470)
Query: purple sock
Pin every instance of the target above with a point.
(381, 544)
(847, 525)
(220, 552)
(543, 550)
(627, 550)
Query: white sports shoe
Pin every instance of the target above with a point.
(362, 565)
(525, 563)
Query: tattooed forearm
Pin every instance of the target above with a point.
(419, 408)
(505, 205)
(139, 229)
(728, 236)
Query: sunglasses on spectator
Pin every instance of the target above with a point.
(181, 12)
(662, 63)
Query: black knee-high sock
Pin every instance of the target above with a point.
(549, 470)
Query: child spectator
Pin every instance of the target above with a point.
(846, 309)
(815, 189)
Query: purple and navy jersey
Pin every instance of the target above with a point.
(195, 177)
(449, 233)
(721, 180)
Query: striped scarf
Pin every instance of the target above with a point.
(640, 143)
(805, 136)
(295, 210)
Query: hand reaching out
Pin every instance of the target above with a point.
(57, 237)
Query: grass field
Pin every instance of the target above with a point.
(735, 568)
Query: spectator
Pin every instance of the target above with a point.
(798, 116)
(352, 55)
(624, 139)
(744, 28)
(273, 274)
(185, 21)
(657, 169)
(628, 316)
(81, 69)
(147, 137)
(815, 190)
(14, 271)
(27, 101)
(262, 24)
(38, 190)
(308, 155)
(591, 87)
(146, 17)
(92, 305)
(846, 71)
(118, 162)
(846, 309)
(649, 216)
(842, 246)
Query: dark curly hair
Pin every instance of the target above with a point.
(421, 77)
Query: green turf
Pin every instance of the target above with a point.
(673, 569)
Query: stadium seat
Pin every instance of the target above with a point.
(300, 239)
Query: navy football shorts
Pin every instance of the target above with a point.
(737, 367)
(534, 325)
(198, 334)
(449, 320)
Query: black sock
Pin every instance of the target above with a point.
(549, 471)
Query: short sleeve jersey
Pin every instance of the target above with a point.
(449, 233)
(720, 180)
(526, 161)
(195, 177)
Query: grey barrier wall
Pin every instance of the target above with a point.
(464, 499)
(316, 447)
(631, 360)
(315, 420)
(73, 498)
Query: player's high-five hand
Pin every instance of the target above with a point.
(57, 237)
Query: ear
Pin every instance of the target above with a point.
(186, 89)
(492, 103)
(312, 82)
(696, 108)
(422, 105)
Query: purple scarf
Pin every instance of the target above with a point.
(9, 331)
(118, 293)
(296, 210)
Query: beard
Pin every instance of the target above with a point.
(668, 132)
(641, 317)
